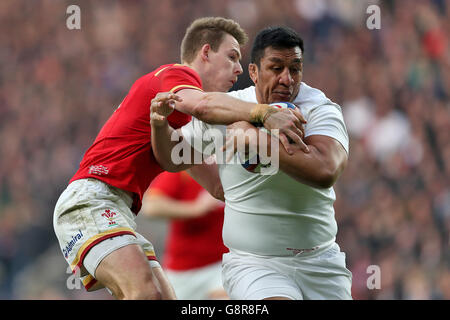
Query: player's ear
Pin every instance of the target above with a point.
(253, 72)
(204, 52)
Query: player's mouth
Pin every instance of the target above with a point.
(282, 95)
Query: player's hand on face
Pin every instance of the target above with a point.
(162, 106)
(290, 125)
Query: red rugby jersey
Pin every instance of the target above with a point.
(191, 243)
(121, 154)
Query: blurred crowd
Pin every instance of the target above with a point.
(58, 87)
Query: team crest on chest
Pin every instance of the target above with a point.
(109, 215)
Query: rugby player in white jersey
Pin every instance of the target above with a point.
(280, 228)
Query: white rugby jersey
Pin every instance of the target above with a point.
(275, 214)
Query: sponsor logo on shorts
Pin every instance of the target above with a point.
(108, 214)
(98, 170)
(69, 246)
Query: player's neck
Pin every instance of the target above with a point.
(192, 66)
(202, 72)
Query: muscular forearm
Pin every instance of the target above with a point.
(162, 146)
(319, 168)
(162, 207)
(311, 169)
(220, 108)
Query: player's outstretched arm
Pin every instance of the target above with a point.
(157, 205)
(221, 108)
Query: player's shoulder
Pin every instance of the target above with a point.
(168, 69)
(173, 68)
(312, 99)
(247, 94)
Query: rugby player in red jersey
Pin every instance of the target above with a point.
(94, 216)
(194, 247)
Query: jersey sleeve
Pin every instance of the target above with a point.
(328, 120)
(167, 183)
(175, 78)
(248, 94)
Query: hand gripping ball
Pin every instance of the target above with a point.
(252, 163)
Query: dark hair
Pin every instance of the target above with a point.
(277, 38)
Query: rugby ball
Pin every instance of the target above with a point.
(253, 164)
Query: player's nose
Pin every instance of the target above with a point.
(286, 78)
(238, 69)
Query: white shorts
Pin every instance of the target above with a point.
(198, 283)
(320, 275)
(88, 213)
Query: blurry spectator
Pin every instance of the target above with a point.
(193, 255)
